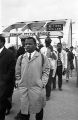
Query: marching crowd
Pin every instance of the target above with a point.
(34, 70)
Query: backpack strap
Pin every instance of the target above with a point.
(42, 59)
(21, 59)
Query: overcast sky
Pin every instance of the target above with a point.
(27, 10)
(12, 11)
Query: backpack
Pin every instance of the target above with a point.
(41, 56)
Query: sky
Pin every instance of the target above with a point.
(27, 10)
(12, 11)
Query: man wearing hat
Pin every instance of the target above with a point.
(32, 78)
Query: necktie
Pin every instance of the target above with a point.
(29, 56)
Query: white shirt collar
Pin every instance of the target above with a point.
(32, 54)
(1, 49)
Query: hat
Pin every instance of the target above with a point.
(26, 33)
(23, 36)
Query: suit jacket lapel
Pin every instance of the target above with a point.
(35, 56)
(3, 52)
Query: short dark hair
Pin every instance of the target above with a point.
(2, 38)
(33, 39)
(22, 39)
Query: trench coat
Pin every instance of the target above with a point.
(31, 77)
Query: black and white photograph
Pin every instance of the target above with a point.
(38, 59)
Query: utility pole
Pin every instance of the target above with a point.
(71, 31)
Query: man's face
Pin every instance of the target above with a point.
(30, 45)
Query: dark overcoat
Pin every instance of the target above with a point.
(7, 71)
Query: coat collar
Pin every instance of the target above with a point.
(36, 54)
(1, 49)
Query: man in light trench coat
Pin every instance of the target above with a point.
(32, 78)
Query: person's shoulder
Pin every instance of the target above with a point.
(8, 51)
(64, 52)
(43, 49)
(40, 53)
(20, 48)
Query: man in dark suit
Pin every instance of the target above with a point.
(7, 71)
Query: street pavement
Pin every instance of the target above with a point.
(63, 105)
